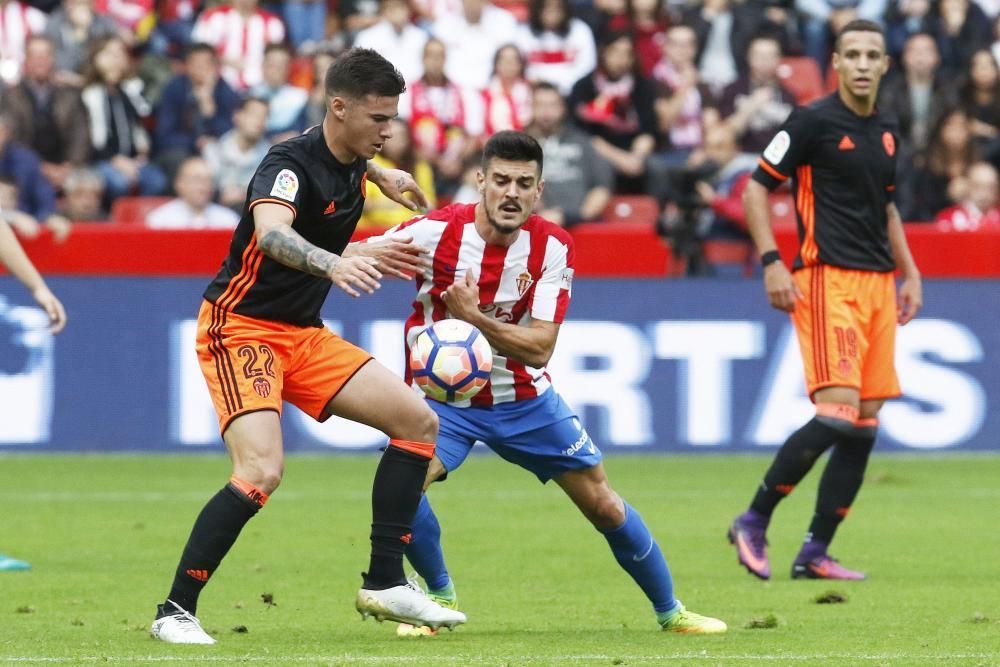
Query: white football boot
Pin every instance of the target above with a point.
(406, 604)
(179, 627)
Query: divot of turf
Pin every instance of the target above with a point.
(831, 597)
(241, 629)
(767, 622)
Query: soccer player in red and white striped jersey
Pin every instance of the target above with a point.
(240, 31)
(18, 21)
(509, 273)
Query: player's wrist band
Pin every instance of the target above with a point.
(769, 258)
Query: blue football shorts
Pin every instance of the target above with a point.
(542, 435)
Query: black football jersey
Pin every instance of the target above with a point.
(325, 196)
(843, 171)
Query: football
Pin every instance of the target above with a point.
(451, 361)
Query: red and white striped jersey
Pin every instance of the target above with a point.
(17, 22)
(239, 41)
(531, 279)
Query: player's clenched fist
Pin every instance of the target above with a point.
(356, 272)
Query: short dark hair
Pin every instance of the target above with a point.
(277, 46)
(540, 86)
(360, 72)
(200, 47)
(535, 8)
(512, 145)
(251, 99)
(858, 25)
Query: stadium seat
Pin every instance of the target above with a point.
(735, 253)
(632, 208)
(801, 76)
(133, 210)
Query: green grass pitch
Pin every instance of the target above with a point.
(538, 583)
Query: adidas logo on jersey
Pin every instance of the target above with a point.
(846, 144)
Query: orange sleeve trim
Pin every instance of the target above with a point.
(424, 449)
(771, 170)
(255, 495)
(269, 200)
(891, 188)
(848, 413)
(870, 421)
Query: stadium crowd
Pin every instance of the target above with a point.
(181, 99)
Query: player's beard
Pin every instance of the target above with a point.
(504, 228)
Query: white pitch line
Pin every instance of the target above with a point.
(378, 660)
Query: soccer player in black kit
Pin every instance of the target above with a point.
(261, 341)
(841, 154)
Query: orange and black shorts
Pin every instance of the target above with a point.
(847, 330)
(252, 364)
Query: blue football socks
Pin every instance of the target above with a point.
(639, 555)
(424, 550)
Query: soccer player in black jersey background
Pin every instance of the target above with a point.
(261, 341)
(841, 154)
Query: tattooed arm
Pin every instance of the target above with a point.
(277, 240)
(395, 183)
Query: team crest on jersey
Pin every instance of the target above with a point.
(776, 150)
(262, 387)
(286, 185)
(524, 282)
(889, 143)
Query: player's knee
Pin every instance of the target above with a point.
(265, 475)
(606, 510)
(422, 426)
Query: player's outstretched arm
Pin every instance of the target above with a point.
(12, 256)
(395, 183)
(277, 240)
(396, 254)
(531, 345)
(911, 291)
(782, 292)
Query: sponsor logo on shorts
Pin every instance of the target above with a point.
(844, 366)
(581, 442)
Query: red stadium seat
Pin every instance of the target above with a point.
(736, 253)
(133, 210)
(632, 208)
(801, 76)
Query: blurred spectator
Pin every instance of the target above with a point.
(995, 48)
(904, 19)
(46, 115)
(615, 106)
(472, 38)
(979, 209)
(428, 11)
(937, 181)
(18, 21)
(963, 29)
(357, 15)
(756, 104)
(286, 103)
(917, 95)
(682, 96)
(506, 102)
(649, 25)
(239, 31)
(823, 19)
(116, 107)
(776, 18)
(436, 111)
(727, 171)
(174, 23)
(723, 34)
(34, 196)
(559, 48)
(234, 158)
(468, 189)
(381, 213)
(193, 207)
(980, 97)
(83, 194)
(134, 16)
(306, 21)
(73, 28)
(396, 38)
(578, 181)
(195, 109)
(316, 107)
